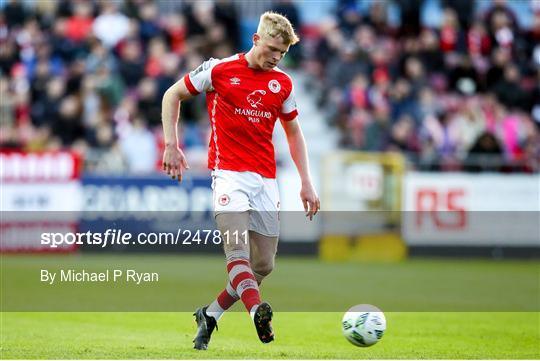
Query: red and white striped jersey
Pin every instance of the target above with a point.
(243, 105)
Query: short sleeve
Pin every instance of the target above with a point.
(200, 79)
(288, 109)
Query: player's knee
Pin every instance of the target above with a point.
(263, 268)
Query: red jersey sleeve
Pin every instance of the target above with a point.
(288, 109)
(200, 79)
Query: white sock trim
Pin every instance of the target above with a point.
(231, 291)
(236, 270)
(252, 311)
(215, 310)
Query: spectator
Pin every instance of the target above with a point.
(485, 154)
(439, 129)
(500, 7)
(40, 79)
(68, 124)
(403, 137)
(79, 25)
(499, 60)
(451, 36)
(15, 14)
(464, 10)
(468, 124)
(533, 40)
(139, 148)
(99, 56)
(62, 47)
(535, 108)
(45, 108)
(502, 29)
(149, 102)
(342, 69)
(110, 86)
(149, 27)
(357, 94)
(176, 32)
(131, 64)
(415, 73)
(430, 53)
(376, 137)
(169, 64)
(508, 89)
(402, 101)
(377, 18)
(410, 16)
(157, 50)
(110, 26)
(478, 40)
(226, 14)
(7, 113)
(8, 56)
(330, 42)
(464, 78)
(349, 16)
(204, 33)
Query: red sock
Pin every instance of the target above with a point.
(227, 297)
(244, 282)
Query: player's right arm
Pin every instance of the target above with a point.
(174, 160)
(196, 82)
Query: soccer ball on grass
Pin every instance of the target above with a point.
(363, 325)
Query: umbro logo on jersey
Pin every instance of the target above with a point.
(235, 81)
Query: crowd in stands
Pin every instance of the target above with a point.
(464, 95)
(89, 76)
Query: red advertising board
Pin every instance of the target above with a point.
(40, 193)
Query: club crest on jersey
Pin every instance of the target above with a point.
(255, 97)
(274, 86)
(224, 199)
(235, 81)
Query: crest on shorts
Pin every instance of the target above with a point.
(274, 86)
(224, 199)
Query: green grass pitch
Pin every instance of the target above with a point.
(299, 335)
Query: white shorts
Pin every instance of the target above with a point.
(248, 191)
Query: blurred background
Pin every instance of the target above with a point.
(409, 107)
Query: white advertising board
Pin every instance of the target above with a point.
(41, 197)
(39, 192)
(457, 209)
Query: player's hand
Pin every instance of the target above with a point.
(310, 199)
(174, 162)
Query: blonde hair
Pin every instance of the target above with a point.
(273, 24)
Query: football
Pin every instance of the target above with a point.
(363, 325)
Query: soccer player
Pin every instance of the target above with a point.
(245, 94)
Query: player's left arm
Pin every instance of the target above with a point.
(299, 154)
